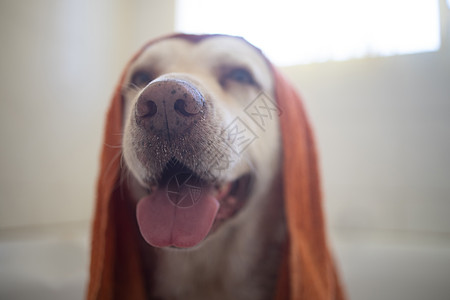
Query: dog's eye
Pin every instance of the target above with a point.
(241, 75)
(141, 78)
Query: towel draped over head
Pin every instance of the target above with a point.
(307, 270)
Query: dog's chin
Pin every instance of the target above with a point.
(183, 209)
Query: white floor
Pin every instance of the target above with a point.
(45, 263)
(394, 265)
(51, 264)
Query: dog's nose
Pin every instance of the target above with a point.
(171, 106)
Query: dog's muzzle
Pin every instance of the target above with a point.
(177, 139)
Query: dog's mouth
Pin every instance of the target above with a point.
(183, 208)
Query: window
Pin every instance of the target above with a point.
(295, 31)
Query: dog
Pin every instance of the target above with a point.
(217, 192)
(203, 201)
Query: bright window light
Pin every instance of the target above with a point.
(304, 31)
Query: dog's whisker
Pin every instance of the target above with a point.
(125, 174)
(130, 87)
(113, 147)
(122, 169)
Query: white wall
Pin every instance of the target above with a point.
(384, 132)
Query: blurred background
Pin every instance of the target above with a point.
(375, 77)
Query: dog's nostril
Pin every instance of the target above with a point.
(185, 109)
(146, 108)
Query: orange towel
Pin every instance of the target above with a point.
(307, 271)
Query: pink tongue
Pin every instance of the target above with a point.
(178, 215)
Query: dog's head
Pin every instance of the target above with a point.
(201, 136)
